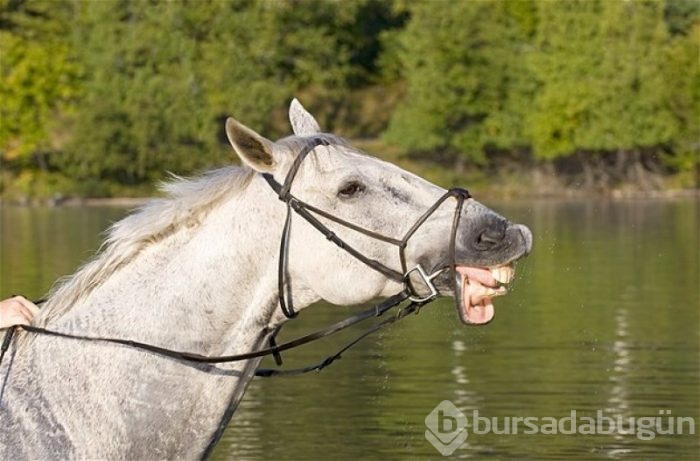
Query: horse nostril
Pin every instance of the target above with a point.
(490, 237)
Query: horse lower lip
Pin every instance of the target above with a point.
(475, 289)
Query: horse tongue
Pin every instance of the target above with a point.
(478, 309)
(480, 313)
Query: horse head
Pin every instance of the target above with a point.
(393, 218)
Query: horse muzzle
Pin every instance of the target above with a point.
(483, 268)
(475, 285)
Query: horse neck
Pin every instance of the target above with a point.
(210, 288)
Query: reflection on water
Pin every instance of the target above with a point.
(618, 403)
(603, 316)
(39, 245)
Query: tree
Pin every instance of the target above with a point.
(113, 93)
(600, 69)
(682, 76)
(142, 110)
(467, 84)
(161, 78)
(38, 78)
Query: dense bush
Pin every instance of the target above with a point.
(116, 92)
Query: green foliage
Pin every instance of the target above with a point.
(682, 75)
(99, 95)
(162, 77)
(681, 15)
(466, 78)
(38, 78)
(600, 69)
(143, 109)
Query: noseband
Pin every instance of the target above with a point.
(307, 212)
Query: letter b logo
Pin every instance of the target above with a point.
(446, 427)
(446, 424)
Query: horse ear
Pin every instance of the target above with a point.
(254, 149)
(303, 123)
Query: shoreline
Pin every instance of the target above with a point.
(59, 202)
(573, 194)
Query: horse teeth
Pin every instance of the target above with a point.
(485, 292)
(500, 291)
(503, 274)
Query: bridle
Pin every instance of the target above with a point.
(307, 212)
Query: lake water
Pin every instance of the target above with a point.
(604, 316)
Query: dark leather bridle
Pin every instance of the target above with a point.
(307, 212)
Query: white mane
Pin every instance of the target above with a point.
(185, 203)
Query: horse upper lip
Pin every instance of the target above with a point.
(526, 234)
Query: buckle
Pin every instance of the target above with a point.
(427, 280)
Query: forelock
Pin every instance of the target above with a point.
(321, 158)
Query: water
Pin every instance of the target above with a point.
(604, 315)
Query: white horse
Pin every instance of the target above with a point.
(198, 271)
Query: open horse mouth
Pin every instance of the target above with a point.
(476, 288)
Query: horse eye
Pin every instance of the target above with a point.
(351, 189)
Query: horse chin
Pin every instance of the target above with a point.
(476, 288)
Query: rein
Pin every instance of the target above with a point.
(274, 349)
(307, 212)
